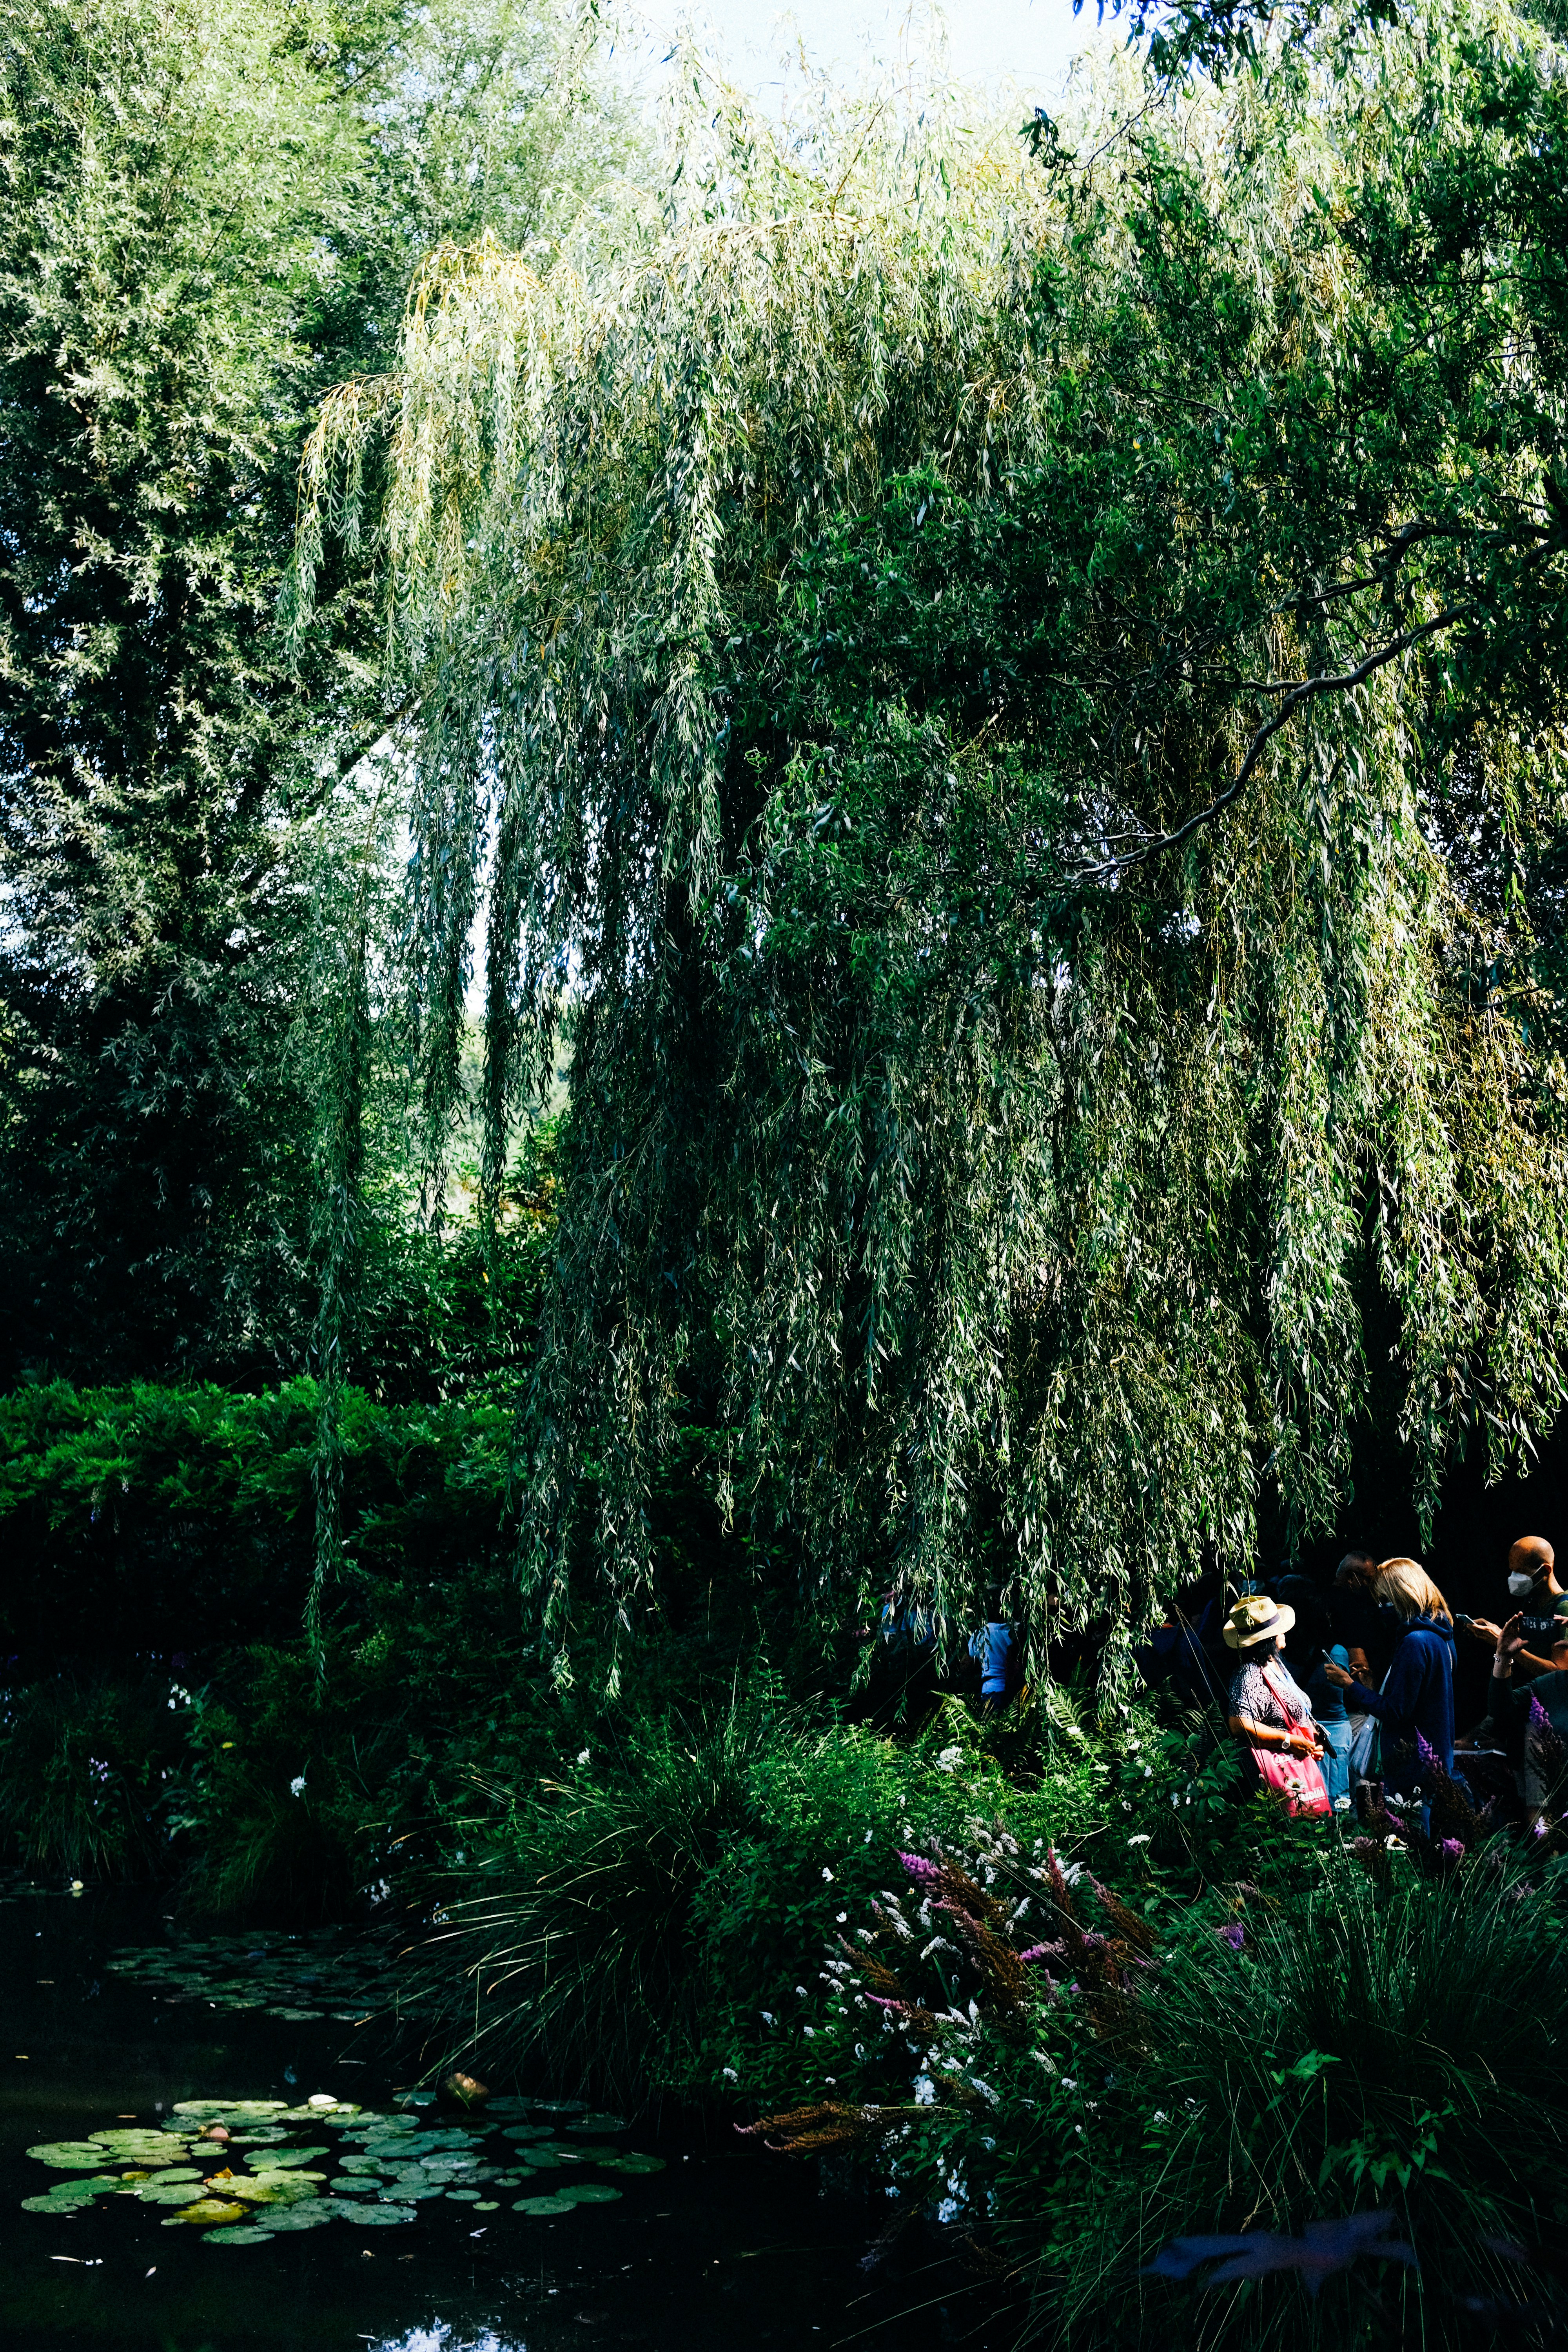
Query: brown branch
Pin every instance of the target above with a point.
(1307, 689)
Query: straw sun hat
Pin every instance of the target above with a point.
(1257, 1619)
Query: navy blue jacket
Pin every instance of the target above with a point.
(1416, 1698)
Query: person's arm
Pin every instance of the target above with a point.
(1272, 1735)
(1395, 1702)
(1482, 1629)
(1503, 1700)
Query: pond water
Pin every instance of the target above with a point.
(368, 2218)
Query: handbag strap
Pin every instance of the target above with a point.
(1296, 1722)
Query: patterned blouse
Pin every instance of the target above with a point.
(1251, 1694)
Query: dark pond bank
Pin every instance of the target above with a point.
(721, 2246)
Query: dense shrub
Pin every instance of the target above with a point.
(88, 1772)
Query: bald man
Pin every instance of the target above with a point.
(1535, 1591)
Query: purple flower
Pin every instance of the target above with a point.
(1322, 2248)
(1234, 1936)
(1430, 1761)
(1451, 1848)
(919, 1868)
(1539, 1719)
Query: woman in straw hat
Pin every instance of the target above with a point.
(1270, 1712)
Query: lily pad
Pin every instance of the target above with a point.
(486, 2205)
(631, 2162)
(463, 2196)
(220, 2111)
(70, 2154)
(239, 2237)
(184, 2192)
(589, 2192)
(599, 2124)
(289, 2218)
(530, 2131)
(207, 2209)
(538, 2206)
(282, 2160)
(275, 2187)
(382, 2217)
(560, 2106)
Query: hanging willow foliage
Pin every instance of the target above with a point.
(1023, 704)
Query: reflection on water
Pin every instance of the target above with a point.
(441, 2338)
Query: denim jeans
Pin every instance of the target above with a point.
(1336, 1763)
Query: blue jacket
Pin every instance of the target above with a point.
(993, 1645)
(1417, 1698)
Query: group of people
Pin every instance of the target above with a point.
(1311, 1719)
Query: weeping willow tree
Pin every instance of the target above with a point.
(1019, 695)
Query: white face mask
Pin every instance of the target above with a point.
(1520, 1585)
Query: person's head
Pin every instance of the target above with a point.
(1356, 1568)
(1407, 1585)
(1530, 1561)
(1256, 1626)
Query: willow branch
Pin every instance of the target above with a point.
(1307, 689)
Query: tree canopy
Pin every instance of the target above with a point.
(1025, 700)
(209, 215)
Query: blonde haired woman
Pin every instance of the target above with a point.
(1417, 1701)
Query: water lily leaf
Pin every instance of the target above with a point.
(509, 2106)
(299, 2216)
(631, 2162)
(184, 2192)
(560, 2106)
(583, 2154)
(599, 2124)
(70, 2197)
(210, 2111)
(366, 2164)
(530, 2131)
(380, 2216)
(486, 2205)
(167, 2173)
(589, 2192)
(540, 2205)
(354, 2188)
(70, 2154)
(246, 2237)
(281, 2159)
(463, 2196)
(210, 2209)
(275, 2187)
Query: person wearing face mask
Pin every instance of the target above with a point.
(1416, 1700)
(1535, 1591)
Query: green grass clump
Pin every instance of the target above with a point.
(1384, 2043)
